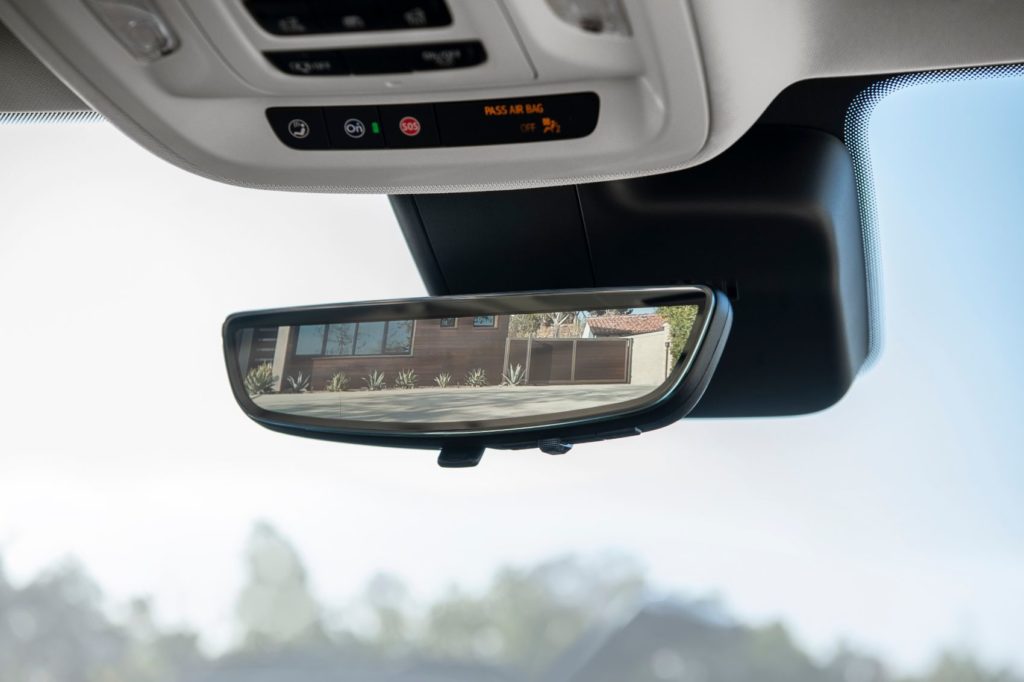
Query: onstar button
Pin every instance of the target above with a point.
(409, 125)
(354, 127)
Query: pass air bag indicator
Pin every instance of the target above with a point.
(519, 109)
(510, 121)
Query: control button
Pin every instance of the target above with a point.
(284, 18)
(372, 60)
(446, 55)
(388, 16)
(525, 119)
(354, 127)
(378, 60)
(311, 62)
(408, 58)
(304, 17)
(409, 125)
(299, 127)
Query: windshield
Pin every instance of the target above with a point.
(149, 531)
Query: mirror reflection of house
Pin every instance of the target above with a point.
(548, 349)
(649, 340)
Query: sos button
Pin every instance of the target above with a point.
(409, 125)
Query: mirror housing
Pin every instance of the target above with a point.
(496, 418)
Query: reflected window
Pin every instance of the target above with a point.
(311, 340)
(484, 321)
(340, 339)
(350, 338)
(398, 338)
(370, 338)
(449, 322)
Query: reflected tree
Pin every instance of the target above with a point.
(679, 320)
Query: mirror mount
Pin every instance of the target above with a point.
(460, 456)
(554, 446)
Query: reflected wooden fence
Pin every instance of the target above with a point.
(571, 361)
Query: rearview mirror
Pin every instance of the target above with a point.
(463, 373)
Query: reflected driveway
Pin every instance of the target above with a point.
(450, 404)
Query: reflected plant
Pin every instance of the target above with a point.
(339, 382)
(406, 378)
(514, 376)
(443, 380)
(260, 380)
(298, 384)
(375, 381)
(476, 377)
(679, 320)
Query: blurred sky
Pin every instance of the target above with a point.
(894, 520)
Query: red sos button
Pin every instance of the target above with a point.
(410, 126)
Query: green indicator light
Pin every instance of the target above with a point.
(375, 128)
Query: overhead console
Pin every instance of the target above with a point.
(675, 82)
(388, 96)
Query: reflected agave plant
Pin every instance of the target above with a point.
(476, 377)
(260, 380)
(514, 376)
(298, 383)
(339, 382)
(375, 381)
(406, 378)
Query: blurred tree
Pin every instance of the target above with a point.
(529, 616)
(959, 666)
(53, 629)
(565, 620)
(849, 665)
(387, 606)
(154, 654)
(275, 608)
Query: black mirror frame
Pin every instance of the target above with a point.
(664, 407)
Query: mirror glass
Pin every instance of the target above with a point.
(460, 372)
